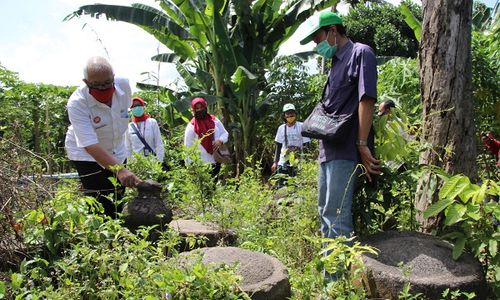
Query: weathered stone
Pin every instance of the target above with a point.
(263, 276)
(429, 261)
(147, 208)
(208, 232)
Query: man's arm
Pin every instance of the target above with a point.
(276, 156)
(102, 157)
(365, 114)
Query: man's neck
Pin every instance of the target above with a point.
(342, 41)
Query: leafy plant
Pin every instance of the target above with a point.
(344, 260)
(381, 26)
(471, 213)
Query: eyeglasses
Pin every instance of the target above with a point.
(101, 85)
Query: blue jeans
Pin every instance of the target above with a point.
(337, 179)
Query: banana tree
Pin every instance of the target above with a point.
(231, 41)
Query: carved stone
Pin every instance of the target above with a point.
(147, 208)
(428, 261)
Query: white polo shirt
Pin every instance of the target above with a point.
(190, 136)
(95, 123)
(293, 138)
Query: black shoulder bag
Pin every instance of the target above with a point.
(328, 126)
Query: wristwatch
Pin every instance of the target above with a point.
(361, 143)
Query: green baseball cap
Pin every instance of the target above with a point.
(316, 21)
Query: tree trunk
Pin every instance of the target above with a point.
(446, 77)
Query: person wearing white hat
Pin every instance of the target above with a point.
(288, 140)
(351, 88)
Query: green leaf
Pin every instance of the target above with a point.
(222, 45)
(2, 289)
(166, 57)
(468, 194)
(437, 207)
(16, 281)
(458, 248)
(454, 213)
(123, 267)
(413, 22)
(473, 211)
(480, 194)
(493, 246)
(454, 187)
(243, 79)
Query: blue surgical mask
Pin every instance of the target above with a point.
(138, 111)
(324, 49)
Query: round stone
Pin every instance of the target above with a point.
(263, 276)
(422, 260)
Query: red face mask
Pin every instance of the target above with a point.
(102, 96)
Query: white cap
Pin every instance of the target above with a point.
(288, 106)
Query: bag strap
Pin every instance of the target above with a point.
(323, 96)
(286, 137)
(136, 131)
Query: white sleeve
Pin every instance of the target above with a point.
(220, 132)
(304, 138)
(128, 142)
(280, 135)
(79, 117)
(189, 135)
(159, 147)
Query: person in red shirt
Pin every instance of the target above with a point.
(492, 145)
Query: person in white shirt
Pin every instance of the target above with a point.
(288, 140)
(95, 140)
(209, 129)
(143, 135)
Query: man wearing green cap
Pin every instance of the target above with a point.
(351, 88)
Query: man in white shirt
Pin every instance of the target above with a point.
(95, 140)
(288, 140)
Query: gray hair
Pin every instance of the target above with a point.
(97, 64)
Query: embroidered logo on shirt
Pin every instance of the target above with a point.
(97, 119)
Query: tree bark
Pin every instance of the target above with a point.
(446, 88)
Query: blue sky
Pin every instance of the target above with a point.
(38, 45)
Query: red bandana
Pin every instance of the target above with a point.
(103, 96)
(141, 118)
(204, 128)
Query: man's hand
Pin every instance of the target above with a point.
(274, 166)
(216, 144)
(127, 178)
(371, 164)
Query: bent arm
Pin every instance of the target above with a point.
(105, 159)
(159, 147)
(365, 117)
(222, 133)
